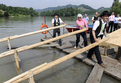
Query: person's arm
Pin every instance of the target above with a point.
(53, 22)
(62, 21)
(79, 25)
(93, 19)
(96, 24)
(86, 25)
(94, 36)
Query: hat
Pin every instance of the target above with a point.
(105, 13)
(79, 15)
(55, 14)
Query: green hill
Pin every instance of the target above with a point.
(17, 11)
(82, 8)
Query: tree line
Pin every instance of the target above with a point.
(67, 12)
(16, 11)
(116, 7)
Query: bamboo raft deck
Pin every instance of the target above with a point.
(113, 67)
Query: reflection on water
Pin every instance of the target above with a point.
(71, 71)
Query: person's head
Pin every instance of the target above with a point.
(56, 15)
(85, 15)
(96, 13)
(118, 15)
(112, 13)
(105, 15)
(79, 16)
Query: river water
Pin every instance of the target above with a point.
(71, 71)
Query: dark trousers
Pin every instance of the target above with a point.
(116, 26)
(111, 24)
(83, 34)
(54, 35)
(95, 50)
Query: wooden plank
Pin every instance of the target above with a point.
(115, 38)
(31, 33)
(58, 61)
(39, 44)
(96, 74)
(49, 45)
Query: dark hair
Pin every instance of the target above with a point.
(105, 13)
(55, 14)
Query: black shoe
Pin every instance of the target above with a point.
(89, 58)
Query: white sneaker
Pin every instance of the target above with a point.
(75, 47)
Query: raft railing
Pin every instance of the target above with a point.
(29, 74)
(27, 47)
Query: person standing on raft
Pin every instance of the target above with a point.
(81, 24)
(56, 21)
(98, 30)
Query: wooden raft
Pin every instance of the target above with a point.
(115, 38)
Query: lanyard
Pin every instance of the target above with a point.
(102, 27)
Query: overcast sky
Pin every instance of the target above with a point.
(40, 4)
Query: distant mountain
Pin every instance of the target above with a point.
(103, 8)
(84, 8)
(81, 7)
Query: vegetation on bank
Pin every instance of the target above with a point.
(116, 7)
(67, 12)
(16, 11)
(70, 10)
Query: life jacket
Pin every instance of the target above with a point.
(56, 23)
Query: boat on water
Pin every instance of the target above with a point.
(73, 28)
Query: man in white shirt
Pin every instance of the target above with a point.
(99, 28)
(117, 22)
(111, 22)
(56, 21)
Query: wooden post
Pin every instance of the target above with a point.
(16, 59)
(105, 51)
(118, 55)
(9, 45)
(31, 78)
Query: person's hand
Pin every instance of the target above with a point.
(87, 28)
(83, 27)
(65, 24)
(107, 36)
(96, 40)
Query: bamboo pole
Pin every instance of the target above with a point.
(31, 78)
(40, 43)
(9, 45)
(16, 59)
(21, 77)
(31, 33)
